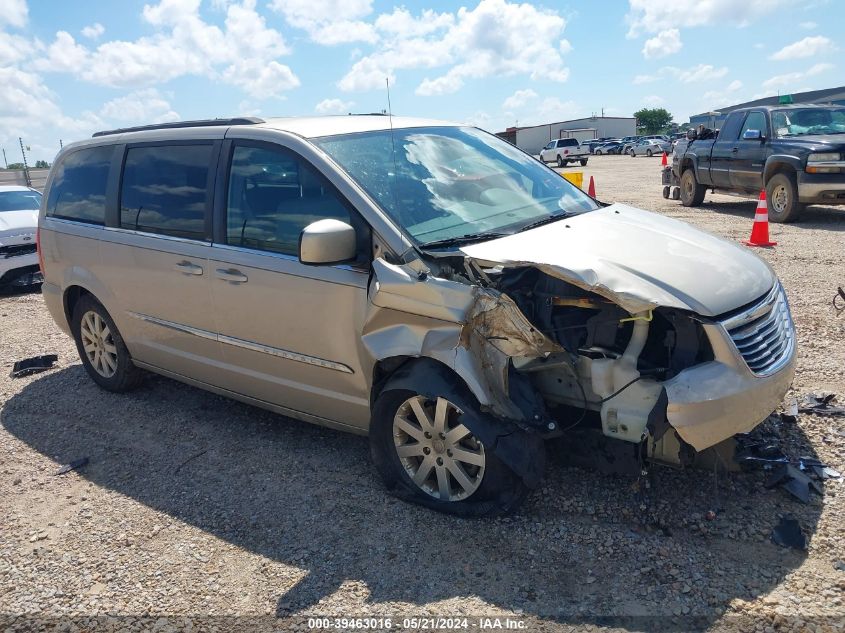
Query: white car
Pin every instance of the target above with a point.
(564, 151)
(18, 221)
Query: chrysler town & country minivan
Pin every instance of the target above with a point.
(422, 282)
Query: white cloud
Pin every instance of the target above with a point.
(699, 73)
(808, 47)
(724, 94)
(93, 31)
(652, 16)
(644, 79)
(333, 106)
(63, 55)
(329, 22)
(496, 38)
(518, 99)
(809, 26)
(13, 12)
(653, 100)
(556, 109)
(663, 44)
(244, 53)
(788, 80)
(140, 106)
(12, 48)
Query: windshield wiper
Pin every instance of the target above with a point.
(469, 238)
(548, 220)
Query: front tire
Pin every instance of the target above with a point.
(426, 456)
(782, 198)
(632, 153)
(597, 152)
(692, 193)
(583, 162)
(101, 348)
(649, 153)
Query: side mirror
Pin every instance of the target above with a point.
(327, 242)
(752, 135)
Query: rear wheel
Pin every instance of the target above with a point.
(426, 455)
(101, 348)
(649, 153)
(597, 152)
(692, 193)
(782, 198)
(632, 153)
(583, 162)
(560, 161)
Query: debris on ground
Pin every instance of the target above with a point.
(788, 533)
(794, 481)
(77, 463)
(820, 404)
(33, 365)
(839, 301)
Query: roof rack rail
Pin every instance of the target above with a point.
(243, 120)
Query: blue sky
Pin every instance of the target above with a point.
(71, 68)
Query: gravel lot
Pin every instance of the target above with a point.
(197, 512)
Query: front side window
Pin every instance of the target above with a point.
(444, 183)
(754, 121)
(20, 201)
(78, 189)
(273, 195)
(164, 190)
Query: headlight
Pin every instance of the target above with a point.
(823, 157)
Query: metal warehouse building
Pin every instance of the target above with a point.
(533, 139)
(835, 96)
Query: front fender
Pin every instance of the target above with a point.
(776, 163)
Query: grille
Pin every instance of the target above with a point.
(7, 252)
(763, 334)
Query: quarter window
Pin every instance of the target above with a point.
(78, 190)
(272, 196)
(164, 190)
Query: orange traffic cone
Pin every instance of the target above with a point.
(760, 230)
(664, 162)
(591, 189)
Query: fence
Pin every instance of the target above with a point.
(17, 177)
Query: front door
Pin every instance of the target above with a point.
(289, 333)
(750, 157)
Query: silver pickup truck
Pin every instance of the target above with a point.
(564, 151)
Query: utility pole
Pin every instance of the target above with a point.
(602, 112)
(60, 144)
(4, 158)
(25, 166)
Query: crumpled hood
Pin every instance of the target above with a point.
(638, 259)
(18, 221)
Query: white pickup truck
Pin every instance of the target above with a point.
(564, 151)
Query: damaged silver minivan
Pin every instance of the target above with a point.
(426, 283)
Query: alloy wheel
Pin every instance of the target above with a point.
(98, 344)
(440, 455)
(780, 199)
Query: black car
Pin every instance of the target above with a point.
(795, 152)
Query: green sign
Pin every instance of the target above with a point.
(784, 99)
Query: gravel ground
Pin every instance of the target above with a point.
(200, 513)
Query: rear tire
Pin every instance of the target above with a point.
(560, 162)
(692, 193)
(419, 464)
(632, 153)
(649, 153)
(782, 198)
(597, 152)
(583, 162)
(101, 348)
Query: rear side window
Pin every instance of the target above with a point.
(78, 190)
(164, 190)
(730, 131)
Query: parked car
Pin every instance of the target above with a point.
(628, 142)
(795, 152)
(426, 283)
(564, 151)
(650, 147)
(610, 147)
(18, 221)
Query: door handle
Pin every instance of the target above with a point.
(187, 268)
(734, 150)
(231, 275)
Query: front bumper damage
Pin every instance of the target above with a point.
(522, 376)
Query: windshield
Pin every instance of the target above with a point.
(20, 200)
(448, 182)
(802, 121)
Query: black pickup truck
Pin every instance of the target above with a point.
(796, 152)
